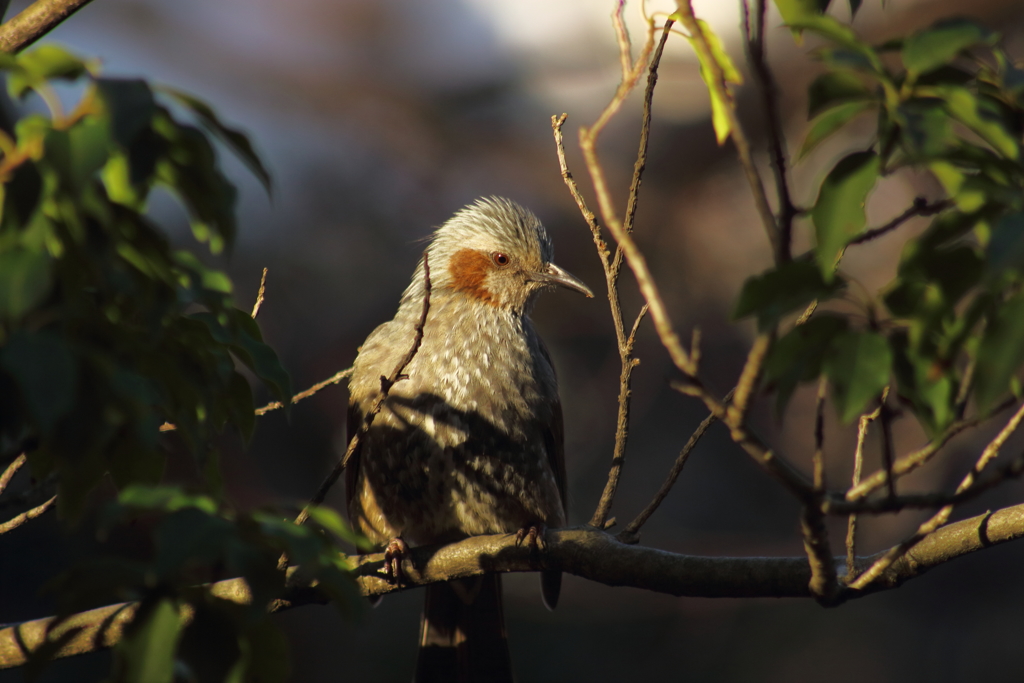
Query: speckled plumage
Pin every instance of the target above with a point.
(471, 442)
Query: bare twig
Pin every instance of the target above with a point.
(858, 464)
(942, 516)
(35, 21)
(912, 461)
(921, 207)
(277, 405)
(25, 516)
(885, 419)
(11, 470)
(751, 373)
(631, 533)
(721, 91)
(625, 343)
(385, 388)
(906, 501)
(259, 295)
(762, 74)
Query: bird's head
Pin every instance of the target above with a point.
(498, 253)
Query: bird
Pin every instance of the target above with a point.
(470, 441)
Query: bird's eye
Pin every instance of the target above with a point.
(501, 260)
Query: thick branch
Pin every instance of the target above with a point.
(35, 21)
(585, 552)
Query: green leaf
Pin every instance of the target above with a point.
(242, 333)
(333, 522)
(1006, 246)
(21, 195)
(936, 46)
(146, 652)
(834, 87)
(858, 365)
(41, 64)
(130, 107)
(1001, 352)
(797, 356)
(45, 371)
(164, 498)
(830, 121)
(838, 214)
(777, 292)
(239, 143)
(25, 280)
(796, 10)
(842, 35)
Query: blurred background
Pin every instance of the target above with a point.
(378, 119)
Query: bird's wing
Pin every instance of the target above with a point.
(554, 437)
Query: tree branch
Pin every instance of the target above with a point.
(776, 140)
(35, 21)
(584, 552)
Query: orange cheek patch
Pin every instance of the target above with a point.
(468, 269)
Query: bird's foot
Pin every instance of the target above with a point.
(533, 535)
(396, 551)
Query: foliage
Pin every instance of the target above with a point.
(107, 332)
(947, 101)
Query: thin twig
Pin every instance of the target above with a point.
(942, 516)
(625, 343)
(386, 383)
(25, 516)
(35, 21)
(818, 459)
(756, 52)
(334, 379)
(921, 207)
(911, 501)
(721, 91)
(259, 295)
(912, 461)
(749, 376)
(11, 470)
(885, 419)
(858, 464)
(277, 405)
(631, 533)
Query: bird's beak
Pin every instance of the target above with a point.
(554, 275)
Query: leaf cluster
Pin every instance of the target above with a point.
(106, 331)
(196, 540)
(948, 101)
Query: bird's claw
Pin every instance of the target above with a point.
(396, 550)
(532, 534)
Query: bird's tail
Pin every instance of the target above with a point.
(462, 636)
